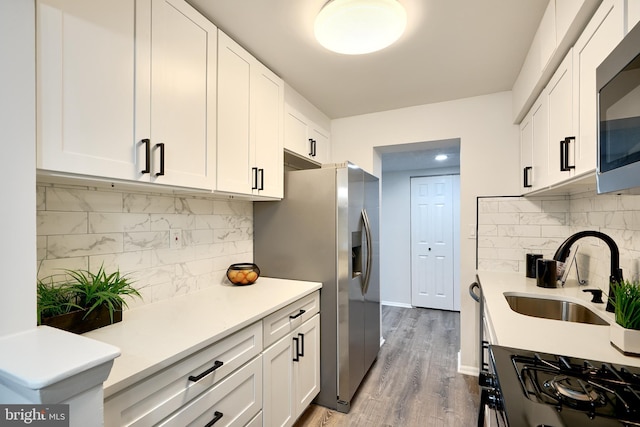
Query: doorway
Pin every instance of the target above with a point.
(399, 163)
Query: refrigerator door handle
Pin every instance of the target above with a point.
(368, 243)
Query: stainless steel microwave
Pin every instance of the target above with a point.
(618, 85)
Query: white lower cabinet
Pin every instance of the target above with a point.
(265, 374)
(291, 370)
(191, 386)
(232, 402)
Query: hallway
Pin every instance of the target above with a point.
(414, 380)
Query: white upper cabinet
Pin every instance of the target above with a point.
(534, 146)
(86, 56)
(304, 137)
(562, 141)
(250, 124)
(183, 94)
(559, 28)
(601, 35)
(126, 90)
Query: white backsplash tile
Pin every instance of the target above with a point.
(81, 200)
(560, 216)
(147, 203)
(82, 228)
(75, 245)
(104, 222)
(52, 222)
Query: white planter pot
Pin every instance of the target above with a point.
(625, 340)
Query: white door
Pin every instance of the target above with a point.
(432, 242)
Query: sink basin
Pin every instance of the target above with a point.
(553, 309)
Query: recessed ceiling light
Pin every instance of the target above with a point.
(356, 27)
(441, 157)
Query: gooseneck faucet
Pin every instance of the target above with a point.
(616, 272)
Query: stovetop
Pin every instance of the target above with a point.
(540, 389)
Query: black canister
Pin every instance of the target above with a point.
(546, 273)
(531, 264)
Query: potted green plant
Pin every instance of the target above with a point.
(625, 333)
(83, 301)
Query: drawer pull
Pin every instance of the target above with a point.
(216, 417)
(295, 316)
(215, 366)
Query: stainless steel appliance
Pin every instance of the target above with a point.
(326, 230)
(538, 389)
(490, 408)
(618, 85)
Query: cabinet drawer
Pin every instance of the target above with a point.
(234, 401)
(283, 321)
(154, 398)
(256, 421)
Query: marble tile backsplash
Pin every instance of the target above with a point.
(84, 228)
(510, 227)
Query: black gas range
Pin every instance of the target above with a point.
(531, 389)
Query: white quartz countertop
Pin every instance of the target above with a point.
(511, 329)
(153, 336)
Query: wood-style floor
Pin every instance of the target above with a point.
(414, 381)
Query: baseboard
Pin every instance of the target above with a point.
(396, 304)
(467, 370)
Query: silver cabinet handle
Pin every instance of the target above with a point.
(369, 245)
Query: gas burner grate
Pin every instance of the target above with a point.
(598, 391)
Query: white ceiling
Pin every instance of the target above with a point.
(452, 49)
(420, 156)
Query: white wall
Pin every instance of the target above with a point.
(395, 233)
(488, 166)
(17, 166)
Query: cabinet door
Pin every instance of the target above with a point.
(540, 126)
(526, 154)
(534, 149)
(602, 34)
(183, 95)
(267, 105)
(86, 54)
(561, 118)
(234, 143)
(278, 401)
(307, 367)
(322, 150)
(296, 137)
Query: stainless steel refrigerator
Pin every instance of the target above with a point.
(326, 230)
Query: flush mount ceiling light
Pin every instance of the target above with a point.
(441, 157)
(355, 27)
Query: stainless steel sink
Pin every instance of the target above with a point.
(553, 309)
